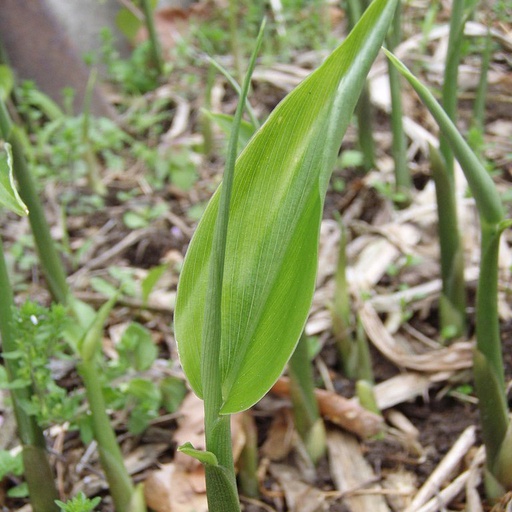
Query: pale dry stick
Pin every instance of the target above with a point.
(473, 501)
(179, 123)
(445, 467)
(97, 299)
(390, 302)
(105, 257)
(442, 499)
(402, 423)
(439, 502)
(351, 472)
(277, 10)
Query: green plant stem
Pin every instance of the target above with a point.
(451, 75)
(308, 422)
(220, 479)
(488, 364)
(452, 305)
(363, 358)
(341, 312)
(248, 461)
(93, 175)
(364, 112)
(37, 470)
(365, 394)
(206, 124)
(234, 39)
(481, 92)
(121, 488)
(234, 84)
(403, 180)
(50, 261)
(153, 38)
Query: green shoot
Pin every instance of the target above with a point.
(488, 361)
(50, 261)
(308, 422)
(125, 495)
(453, 300)
(233, 311)
(90, 158)
(399, 148)
(156, 50)
(248, 461)
(38, 473)
(477, 128)
(218, 459)
(364, 109)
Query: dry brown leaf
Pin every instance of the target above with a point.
(400, 388)
(173, 489)
(401, 486)
(280, 437)
(352, 475)
(339, 410)
(300, 496)
(457, 356)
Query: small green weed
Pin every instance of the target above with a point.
(80, 503)
(134, 75)
(39, 341)
(11, 465)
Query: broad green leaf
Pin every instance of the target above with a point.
(279, 187)
(128, 23)
(9, 196)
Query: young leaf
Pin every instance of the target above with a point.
(9, 196)
(225, 122)
(279, 187)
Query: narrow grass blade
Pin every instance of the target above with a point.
(280, 182)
